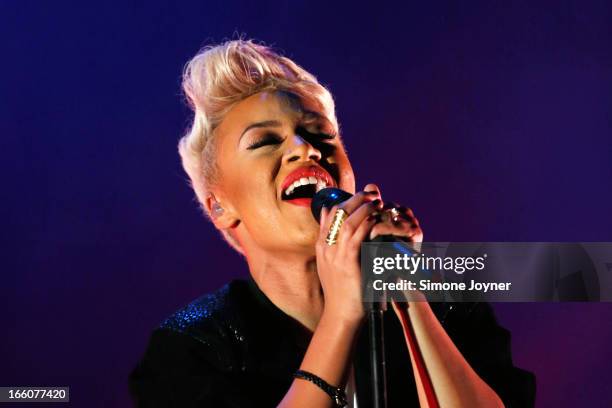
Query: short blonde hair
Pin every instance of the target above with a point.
(219, 77)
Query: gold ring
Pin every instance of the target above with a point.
(334, 229)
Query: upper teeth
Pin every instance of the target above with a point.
(321, 184)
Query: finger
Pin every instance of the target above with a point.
(391, 204)
(327, 217)
(323, 219)
(357, 217)
(357, 200)
(401, 213)
(373, 188)
(400, 228)
(406, 213)
(362, 230)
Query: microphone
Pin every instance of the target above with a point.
(329, 197)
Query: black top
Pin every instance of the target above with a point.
(235, 348)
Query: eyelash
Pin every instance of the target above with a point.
(272, 139)
(268, 139)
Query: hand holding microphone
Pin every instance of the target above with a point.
(345, 222)
(391, 220)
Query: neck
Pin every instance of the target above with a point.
(291, 283)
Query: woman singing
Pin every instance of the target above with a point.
(264, 139)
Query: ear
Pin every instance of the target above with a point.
(221, 212)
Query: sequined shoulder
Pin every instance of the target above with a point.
(198, 312)
(214, 320)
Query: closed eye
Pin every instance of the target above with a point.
(324, 142)
(326, 137)
(265, 140)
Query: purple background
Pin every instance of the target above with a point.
(491, 120)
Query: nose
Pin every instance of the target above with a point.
(301, 150)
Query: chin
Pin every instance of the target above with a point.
(307, 239)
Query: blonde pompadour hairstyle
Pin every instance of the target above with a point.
(219, 77)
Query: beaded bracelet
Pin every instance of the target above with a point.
(337, 394)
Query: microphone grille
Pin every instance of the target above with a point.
(327, 197)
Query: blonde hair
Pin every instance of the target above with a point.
(219, 77)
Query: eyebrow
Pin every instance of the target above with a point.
(265, 123)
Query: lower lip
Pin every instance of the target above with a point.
(300, 202)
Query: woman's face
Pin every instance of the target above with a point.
(273, 154)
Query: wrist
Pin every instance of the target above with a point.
(347, 321)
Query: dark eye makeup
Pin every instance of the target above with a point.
(326, 136)
(265, 140)
(316, 136)
(271, 138)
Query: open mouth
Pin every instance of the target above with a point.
(303, 183)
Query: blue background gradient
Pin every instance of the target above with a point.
(492, 120)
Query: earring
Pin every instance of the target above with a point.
(217, 209)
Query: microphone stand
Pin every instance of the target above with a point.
(376, 332)
(328, 197)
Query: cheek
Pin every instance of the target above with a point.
(347, 177)
(256, 193)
